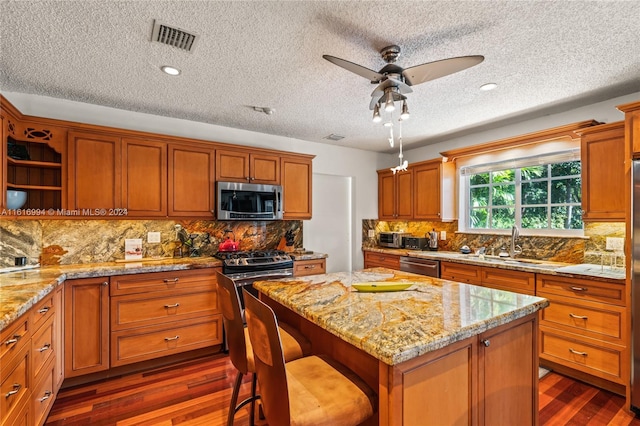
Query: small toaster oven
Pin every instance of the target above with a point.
(392, 239)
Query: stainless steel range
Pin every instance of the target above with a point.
(246, 267)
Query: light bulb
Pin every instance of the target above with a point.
(405, 111)
(389, 106)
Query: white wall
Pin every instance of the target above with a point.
(356, 164)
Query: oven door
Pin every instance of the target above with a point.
(245, 281)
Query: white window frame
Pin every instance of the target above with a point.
(514, 158)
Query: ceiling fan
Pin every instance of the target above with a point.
(394, 81)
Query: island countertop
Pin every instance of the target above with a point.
(398, 326)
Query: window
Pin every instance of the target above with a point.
(542, 194)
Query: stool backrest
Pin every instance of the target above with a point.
(268, 359)
(233, 324)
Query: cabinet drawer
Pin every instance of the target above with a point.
(21, 415)
(153, 342)
(581, 354)
(15, 383)
(43, 311)
(42, 395)
(309, 267)
(503, 279)
(589, 319)
(597, 291)
(461, 273)
(162, 307)
(158, 281)
(373, 260)
(14, 338)
(42, 349)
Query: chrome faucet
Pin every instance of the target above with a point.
(513, 248)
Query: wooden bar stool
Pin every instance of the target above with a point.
(240, 352)
(309, 391)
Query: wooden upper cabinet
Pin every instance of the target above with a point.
(241, 166)
(632, 126)
(395, 195)
(433, 193)
(191, 181)
(296, 180)
(603, 172)
(95, 161)
(144, 177)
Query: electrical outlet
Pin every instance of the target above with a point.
(443, 235)
(615, 244)
(153, 237)
(372, 233)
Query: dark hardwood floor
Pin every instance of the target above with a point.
(198, 393)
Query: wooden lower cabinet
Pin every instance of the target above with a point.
(302, 268)
(163, 313)
(86, 325)
(30, 373)
(500, 279)
(489, 379)
(584, 331)
(381, 260)
(460, 272)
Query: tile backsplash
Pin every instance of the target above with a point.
(64, 242)
(587, 249)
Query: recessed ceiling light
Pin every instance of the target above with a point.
(488, 86)
(170, 70)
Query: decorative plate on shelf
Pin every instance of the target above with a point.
(380, 286)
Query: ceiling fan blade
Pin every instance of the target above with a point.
(374, 76)
(432, 70)
(402, 87)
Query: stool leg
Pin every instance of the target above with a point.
(234, 399)
(254, 380)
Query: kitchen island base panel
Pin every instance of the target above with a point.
(465, 382)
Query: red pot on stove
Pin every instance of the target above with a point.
(229, 243)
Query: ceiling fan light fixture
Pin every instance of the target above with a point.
(376, 114)
(167, 69)
(405, 110)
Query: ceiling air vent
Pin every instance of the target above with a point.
(333, 137)
(172, 36)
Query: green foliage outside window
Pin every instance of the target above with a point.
(544, 196)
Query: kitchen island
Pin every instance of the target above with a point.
(437, 352)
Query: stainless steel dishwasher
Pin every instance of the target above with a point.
(428, 267)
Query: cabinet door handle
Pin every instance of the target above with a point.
(578, 288)
(310, 267)
(582, 317)
(174, 280)
(175, 305)
(168, 339)
(44, 310)
(46, 347)
(47, 395)
(15, 339)
(16, 389)
(486, 342)
(105, 283)
(577, 352)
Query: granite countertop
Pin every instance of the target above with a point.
(397, 326)
(20, 290)
(308, 255)
(584, 270)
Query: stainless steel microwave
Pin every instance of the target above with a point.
(248, 201)
(392, 239)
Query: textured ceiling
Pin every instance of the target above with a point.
(545, 56)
